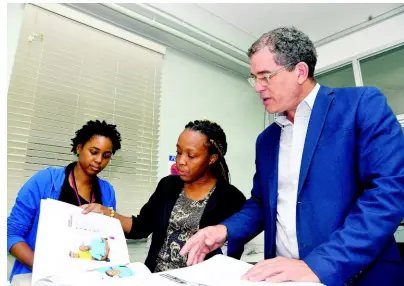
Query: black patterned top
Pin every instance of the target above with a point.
(183, 223)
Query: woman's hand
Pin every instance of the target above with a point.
(95, 208)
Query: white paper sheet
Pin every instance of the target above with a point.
(218, 271)
(62, 229)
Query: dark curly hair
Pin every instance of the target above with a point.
(217, 145)
(93, 128)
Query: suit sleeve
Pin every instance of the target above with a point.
(379, 209)
(235, 249)
(248, 222)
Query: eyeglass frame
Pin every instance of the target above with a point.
(252, 80)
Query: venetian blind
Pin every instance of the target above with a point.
(66, 73)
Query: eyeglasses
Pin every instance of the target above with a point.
(264, 80)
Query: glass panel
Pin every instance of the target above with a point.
(339, 77)
(386, 72)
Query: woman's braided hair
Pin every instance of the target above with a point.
(217, 145)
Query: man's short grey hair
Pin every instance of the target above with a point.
(290, 47)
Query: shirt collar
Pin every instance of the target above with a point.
(312, 96)
(281, 119)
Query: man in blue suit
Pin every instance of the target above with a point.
(329, 183)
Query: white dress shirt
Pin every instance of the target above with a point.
(291, 146)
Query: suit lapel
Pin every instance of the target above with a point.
(319, 114)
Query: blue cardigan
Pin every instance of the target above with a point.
(22, 224)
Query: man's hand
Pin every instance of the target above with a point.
(281, 269)
(204, 241)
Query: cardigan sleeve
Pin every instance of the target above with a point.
(26, 207)
(144, 222)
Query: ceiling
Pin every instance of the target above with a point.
(232, 28)
(252, 20)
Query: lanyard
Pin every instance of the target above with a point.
(75, 189)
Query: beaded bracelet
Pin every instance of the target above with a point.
(112, 212)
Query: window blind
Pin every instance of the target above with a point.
(66, 73)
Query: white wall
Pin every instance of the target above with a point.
(14, 20)
(193, 89)
(378, 36)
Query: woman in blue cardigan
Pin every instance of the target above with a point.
(76, 184)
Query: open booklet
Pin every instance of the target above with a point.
(73, 249)
(69, 242)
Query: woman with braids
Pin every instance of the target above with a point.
(200, 196)
(76, 184)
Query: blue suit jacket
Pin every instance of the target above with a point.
(350, 192)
